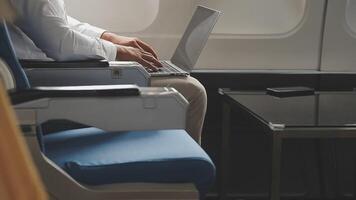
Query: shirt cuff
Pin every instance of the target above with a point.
(94, 31)
(110, 50)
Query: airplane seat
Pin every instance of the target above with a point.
(53, 73)
(7, 53)
(136, 152)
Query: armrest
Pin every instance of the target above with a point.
(73, 91)
(38, 64)
(151, 110)
(115, 73)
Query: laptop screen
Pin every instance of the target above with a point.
(195, 37)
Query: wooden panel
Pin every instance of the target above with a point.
(18, 176)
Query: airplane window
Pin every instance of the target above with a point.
(112, 15)
(351, 15)
(256, 17)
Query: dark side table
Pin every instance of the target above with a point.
(322, 115)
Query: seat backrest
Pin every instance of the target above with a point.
(8, 55)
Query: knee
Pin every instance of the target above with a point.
(198, 91)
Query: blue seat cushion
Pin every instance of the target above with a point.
(94, 157)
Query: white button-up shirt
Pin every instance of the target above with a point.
(43, 31)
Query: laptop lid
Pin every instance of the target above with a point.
(195, 37)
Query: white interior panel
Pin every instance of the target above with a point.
(115, 15)
(251, 34)
(339, 51)
(258, 17)
(351, 15)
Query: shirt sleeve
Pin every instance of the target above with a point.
(85, 28)
(46, 23)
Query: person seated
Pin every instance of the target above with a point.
(44, 31)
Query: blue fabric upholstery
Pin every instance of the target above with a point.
(94, 157)
(7, 53)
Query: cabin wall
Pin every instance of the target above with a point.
(251, 34)
(339, 51)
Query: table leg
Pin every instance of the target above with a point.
(225, 150)
(276, 167)
(321, 171)
(354, 180)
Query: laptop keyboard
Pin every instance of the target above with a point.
(166, 69)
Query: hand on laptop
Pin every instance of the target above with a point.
(146, 59)
(133, 49)
(129, 41)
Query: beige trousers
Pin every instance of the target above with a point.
(195, 93)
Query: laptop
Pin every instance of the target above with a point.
(191, 45)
